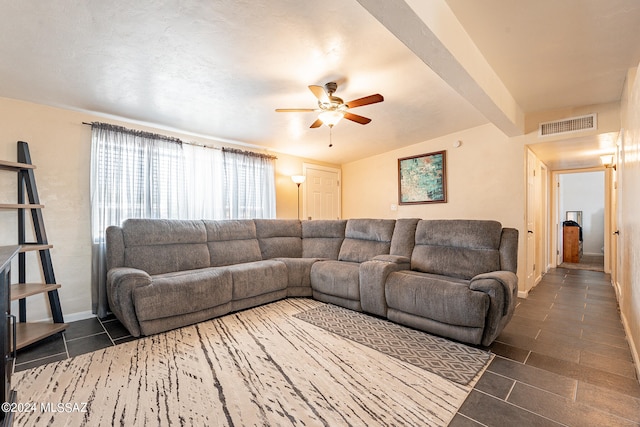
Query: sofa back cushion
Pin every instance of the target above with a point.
(457, 248)
(160, 246)
(322, 238)
(232, 242)
(404, 237)
(366, 238)
(279, 238)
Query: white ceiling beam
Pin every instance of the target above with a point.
(432, 32)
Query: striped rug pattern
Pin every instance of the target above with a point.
(258, 367)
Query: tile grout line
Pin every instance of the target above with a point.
(64, 341)
(107, 332)
(506, 398)
(523, 409)
(85, 336)
(39, 359)
(471, 419)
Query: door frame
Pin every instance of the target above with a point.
(556, 215)
(306, 166)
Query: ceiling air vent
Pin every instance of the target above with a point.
(573, 124)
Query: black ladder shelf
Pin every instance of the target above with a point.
(30, 332)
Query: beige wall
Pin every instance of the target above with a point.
(286, 189)
(485, 180)
(60, 147)
(628, 176)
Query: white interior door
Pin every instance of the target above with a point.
(321, 198)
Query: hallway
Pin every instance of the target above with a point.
(562, 360)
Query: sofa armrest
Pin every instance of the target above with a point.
(506, 283)
(115, 247)
(502, 288)
(121, 282)
(373, 276)
(396, 259)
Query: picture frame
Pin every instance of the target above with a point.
(423, 178)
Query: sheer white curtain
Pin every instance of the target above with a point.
(249, 186)
(133, 175)
(204, 181)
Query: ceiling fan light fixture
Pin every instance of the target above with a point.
(330, 118)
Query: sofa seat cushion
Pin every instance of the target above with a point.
(257, 278)
(177, 293)
(444, 299)
(299, 271)
(337, 278)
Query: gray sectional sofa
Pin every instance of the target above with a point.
(453, 278)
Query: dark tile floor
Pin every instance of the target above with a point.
(80, 337)
(562, 360)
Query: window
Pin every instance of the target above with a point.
(138, 174)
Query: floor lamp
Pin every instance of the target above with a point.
(298, 179)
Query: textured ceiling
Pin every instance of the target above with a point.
(219, 69)
(555, 54)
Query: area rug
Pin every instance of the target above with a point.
(258, 367)
(451, 360)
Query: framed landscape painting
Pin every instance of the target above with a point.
(422, 178)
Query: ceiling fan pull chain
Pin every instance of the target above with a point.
(330, 136)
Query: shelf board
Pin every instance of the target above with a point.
(29, 333)
(23, 290)
(26, 247)
(20, 206)
(15, 165)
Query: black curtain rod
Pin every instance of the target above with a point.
(233, 150)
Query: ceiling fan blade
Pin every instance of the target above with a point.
(295, 110)
(316, 124)
(356, 118)
(371, 99)
(320, 93)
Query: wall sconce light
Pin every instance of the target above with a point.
(607, 161)
(298, 179)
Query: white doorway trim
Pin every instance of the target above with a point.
(557, 217)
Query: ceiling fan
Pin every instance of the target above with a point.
(331, 108)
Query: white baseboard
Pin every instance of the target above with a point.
(74, 317)
(68, 318)
(632, 345)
